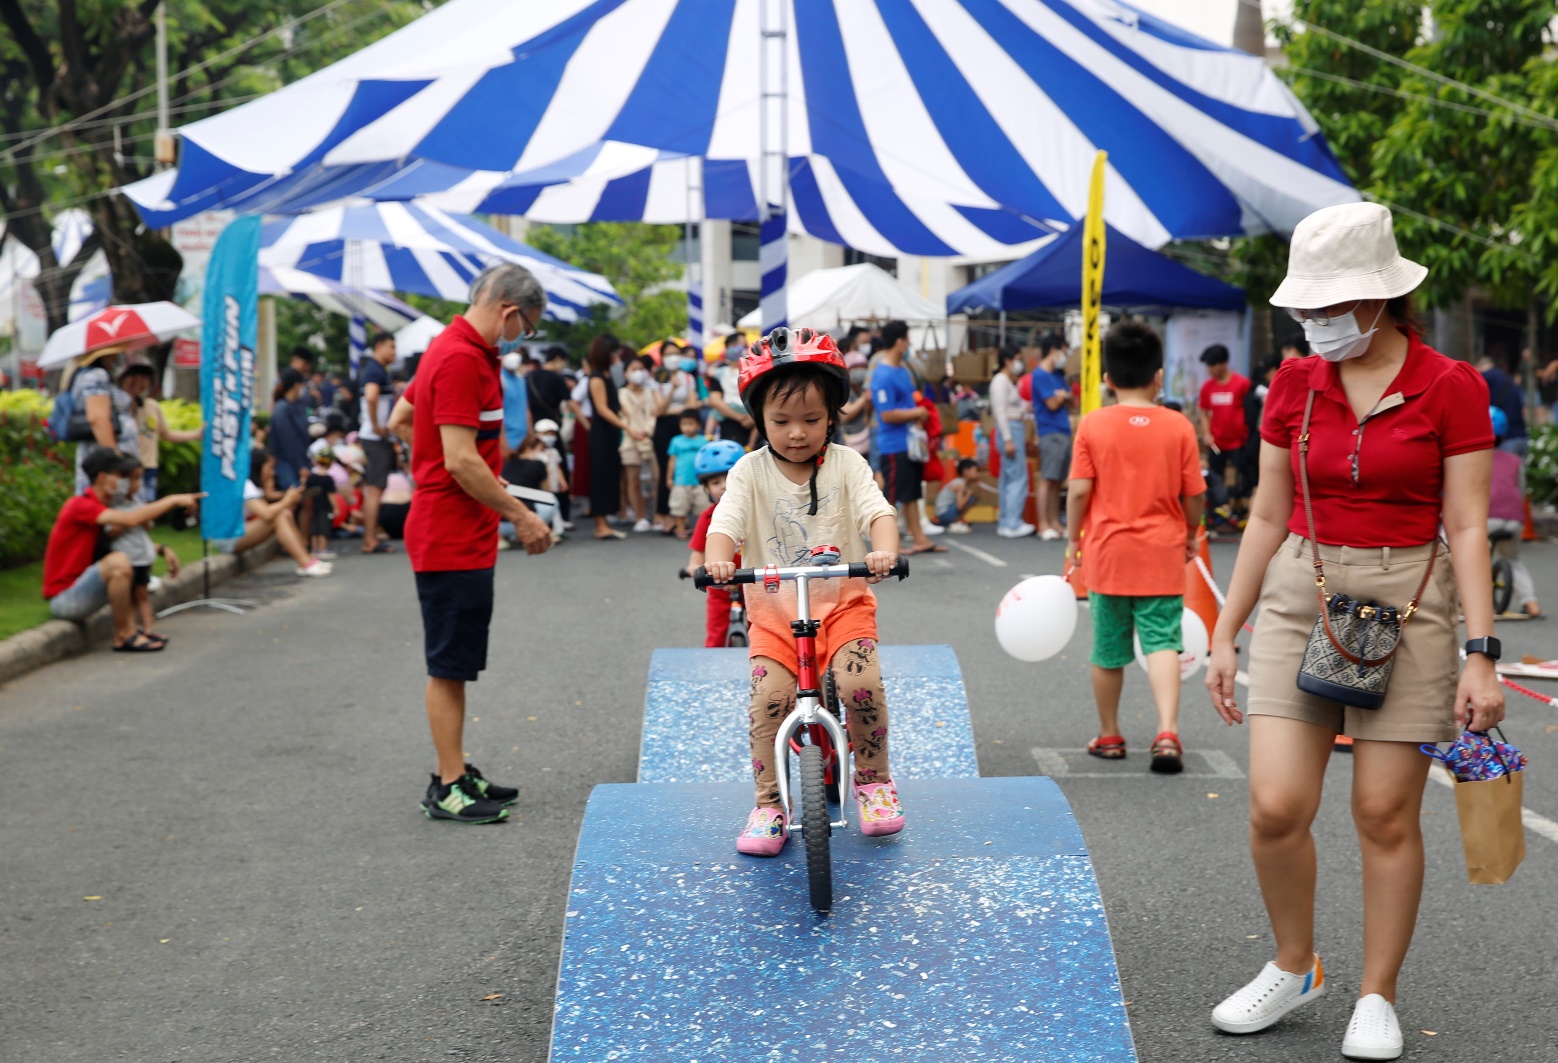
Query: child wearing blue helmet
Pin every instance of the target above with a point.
(1507, 514)
(713, 461)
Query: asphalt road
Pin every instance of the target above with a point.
(241, 812)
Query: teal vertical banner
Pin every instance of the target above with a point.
(228, 336)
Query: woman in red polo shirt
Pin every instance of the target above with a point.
(1399, 444)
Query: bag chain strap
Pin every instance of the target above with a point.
(1314, 545)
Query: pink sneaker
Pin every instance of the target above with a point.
(764, 834)
(880, 812)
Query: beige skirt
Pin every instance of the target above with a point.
(1420, 700)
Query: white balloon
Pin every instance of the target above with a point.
(1036, 618)
(1197, 643)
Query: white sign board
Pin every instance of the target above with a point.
(194, 238)
(1184, 338)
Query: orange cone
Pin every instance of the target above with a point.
(1073, 575)
(1198, 595)
(1528, 535)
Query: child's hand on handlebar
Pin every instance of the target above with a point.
(720, 571)
(881, 563)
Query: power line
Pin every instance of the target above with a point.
(1407, 64)
(1432, 100)
(121, 101)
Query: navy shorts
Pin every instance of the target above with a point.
(456, 615)
(903, 478)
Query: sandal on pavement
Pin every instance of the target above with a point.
(1168, 756)
(880, 812)
(764, 834)
(139, 643)
(1107, 747)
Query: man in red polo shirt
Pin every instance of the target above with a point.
(1224, 430)
(453, 414)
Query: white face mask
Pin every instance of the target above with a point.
(637, 376)
(120, 492)
(1017, 367)
(1340, 338)
(549, 440)
(1060, 363)
(512, 362)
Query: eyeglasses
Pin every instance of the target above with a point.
(527, 329)
(1320, 317)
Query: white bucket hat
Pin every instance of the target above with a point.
(1343, 253)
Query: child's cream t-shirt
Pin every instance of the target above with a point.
(766, 515)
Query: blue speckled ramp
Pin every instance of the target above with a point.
(695, 716)
(975, 935)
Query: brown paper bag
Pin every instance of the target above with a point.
(1491, 830)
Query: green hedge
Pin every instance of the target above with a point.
(37, 474)
(36, 477)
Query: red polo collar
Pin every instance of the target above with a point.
(1413, 378)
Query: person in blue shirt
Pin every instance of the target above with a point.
(516, 400)
(1052, 403)
(893, 396)
(1504, 393)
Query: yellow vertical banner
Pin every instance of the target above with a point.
(1093, 288)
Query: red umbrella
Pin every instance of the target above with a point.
(126, 327)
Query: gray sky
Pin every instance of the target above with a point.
(1212, 19)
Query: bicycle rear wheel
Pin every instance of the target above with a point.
(816, 826)
(1503, 585)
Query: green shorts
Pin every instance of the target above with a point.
(1157, 621)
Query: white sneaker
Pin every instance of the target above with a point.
(959, 528)
(641, 526)
(1022, 530)
(154, 585)
(1272, 995)
(1049, 535)
(932, 529)
(316, 569)
(1373, 1032)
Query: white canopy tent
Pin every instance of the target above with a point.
(832, 299)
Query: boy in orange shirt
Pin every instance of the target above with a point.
(1137, 494)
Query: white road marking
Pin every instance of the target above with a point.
(989, 559)
(1534, 821)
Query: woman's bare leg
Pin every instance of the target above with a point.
(1387, 799)
(1287, 773)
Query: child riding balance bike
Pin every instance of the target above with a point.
(781, 503)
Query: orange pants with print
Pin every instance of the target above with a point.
(857, 674)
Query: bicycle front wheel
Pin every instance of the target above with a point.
(816, 826)
(1503, 585)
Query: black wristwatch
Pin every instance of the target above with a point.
(1489, 647)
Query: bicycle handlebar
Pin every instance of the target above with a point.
(851, 570)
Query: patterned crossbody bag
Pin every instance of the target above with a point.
(1352, 647)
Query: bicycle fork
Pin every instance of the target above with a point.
(809, 713)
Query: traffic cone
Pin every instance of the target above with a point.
(1198, 595)
(1073, 575)
(1528, 534)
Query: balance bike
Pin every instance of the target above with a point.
(812, 730)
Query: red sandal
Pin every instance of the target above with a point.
(1168, 756)
(1107, 747)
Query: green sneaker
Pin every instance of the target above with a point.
(503, 795)
(459, 801)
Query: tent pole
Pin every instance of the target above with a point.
(1002, 341)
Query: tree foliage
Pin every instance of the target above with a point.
(637, 259)
(1455, 168)
(78, 107)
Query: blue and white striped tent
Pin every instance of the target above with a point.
(411, 247)
(927, 127)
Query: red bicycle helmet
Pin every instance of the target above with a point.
(777, 352)
(783, 347)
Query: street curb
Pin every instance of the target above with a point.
(57, 639)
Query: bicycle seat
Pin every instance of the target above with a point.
(1501, 535)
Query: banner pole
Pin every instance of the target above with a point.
(1093, 239)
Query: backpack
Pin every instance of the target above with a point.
(67, 423)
